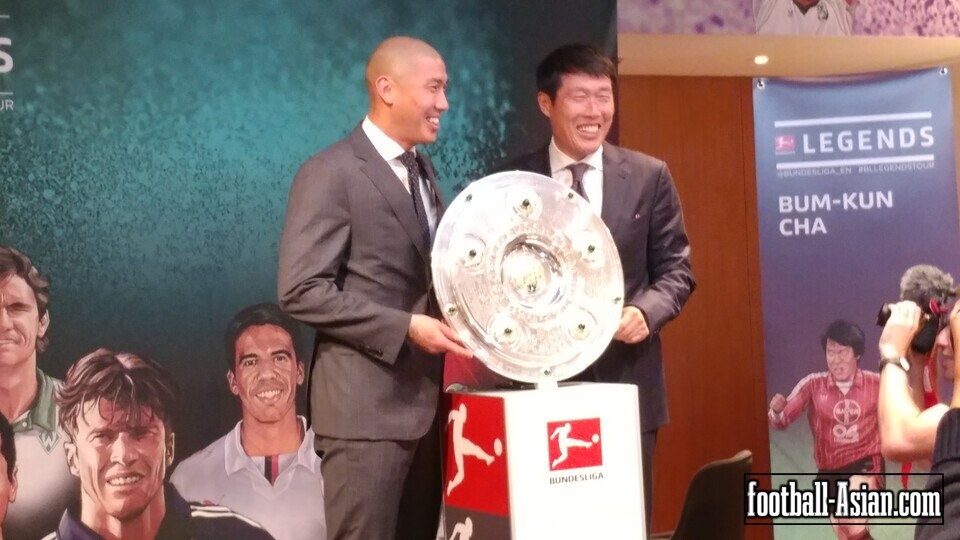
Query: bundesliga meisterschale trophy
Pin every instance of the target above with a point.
(528, 275)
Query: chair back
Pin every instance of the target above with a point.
(713, 507)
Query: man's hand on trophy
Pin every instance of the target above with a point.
(901, 327)
(633, 326)
(435, 337)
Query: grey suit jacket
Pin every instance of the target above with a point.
(642, 210)
(354, 266)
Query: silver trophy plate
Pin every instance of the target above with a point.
(528, 276)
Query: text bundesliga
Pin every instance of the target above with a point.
(790, 501)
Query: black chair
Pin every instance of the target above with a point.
(713, 507)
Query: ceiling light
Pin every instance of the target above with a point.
(760, 59)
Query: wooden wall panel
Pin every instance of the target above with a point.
(703, 129)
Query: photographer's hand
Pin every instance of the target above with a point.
(951, 350)
(954, 321)
(901, 327)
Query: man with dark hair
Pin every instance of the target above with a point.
(8, 468)
(116, 411)
(637, 200)
(27, 399)
(842, 410)
(844, 333)
(266, 467)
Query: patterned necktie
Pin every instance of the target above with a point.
(577, 170)
(409, 160)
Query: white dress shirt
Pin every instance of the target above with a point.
(592, 179)
(390, 151)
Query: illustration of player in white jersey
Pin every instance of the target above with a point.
(841, 405)
(562, 434)
(463, 446)
(805, 17)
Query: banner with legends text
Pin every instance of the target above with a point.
(856, 182)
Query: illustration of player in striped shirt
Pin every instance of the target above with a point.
(841, 405)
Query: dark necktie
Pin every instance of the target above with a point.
(577, 170)
(409, 160)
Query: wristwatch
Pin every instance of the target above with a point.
(900, 362)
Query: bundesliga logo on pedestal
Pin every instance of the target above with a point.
(575, 444)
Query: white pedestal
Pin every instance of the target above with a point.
(544, 464)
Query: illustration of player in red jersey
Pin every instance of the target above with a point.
(841, 405)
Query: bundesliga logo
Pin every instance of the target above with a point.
(574, 444)
(785, 144)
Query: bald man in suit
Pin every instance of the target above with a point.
(355, 265)
(637, 200)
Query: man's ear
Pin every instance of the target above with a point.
(44, 325)
(386, 89)
(300, 373)
(545, 103)
(170, 449)
(232, 383)
(70, 448)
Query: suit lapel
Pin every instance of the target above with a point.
(386, 181)
(615, 186)
(540, 162)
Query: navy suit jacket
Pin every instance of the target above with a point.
(642, 210)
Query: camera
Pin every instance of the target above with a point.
(930, 288)
(934, 318)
